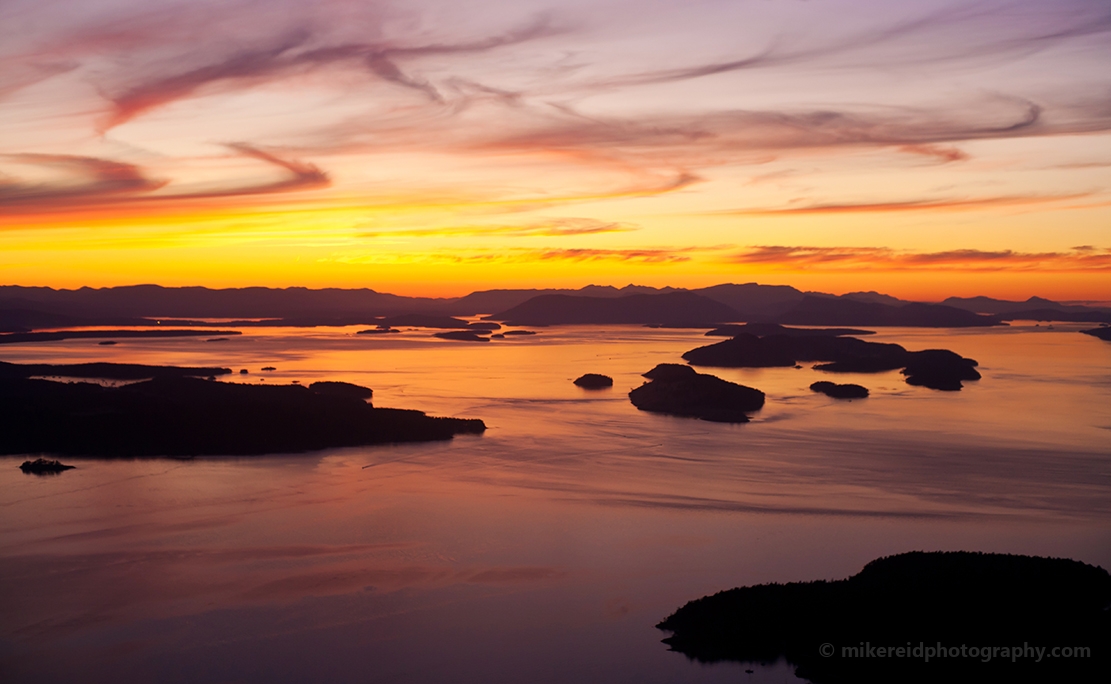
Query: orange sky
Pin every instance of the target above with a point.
(951, 148)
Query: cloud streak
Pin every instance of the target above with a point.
(1084, 258)
(521, 255)
(294, 52)
(84, 179)
(564, 227)
(90, 181)
(912, 205)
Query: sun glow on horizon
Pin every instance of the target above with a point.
(423, 149)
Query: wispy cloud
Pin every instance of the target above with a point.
(951, 204)
(86, 181)
(942, 153)
(1084, 258)
(82, 179)
(520, 255)
(300, 49)
(558, 227)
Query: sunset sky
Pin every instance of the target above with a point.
(431, 147)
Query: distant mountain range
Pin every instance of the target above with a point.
(24, 309)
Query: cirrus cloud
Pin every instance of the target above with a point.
(801, 258)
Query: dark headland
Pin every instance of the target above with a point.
(1103, 333)
(177, 415)
(830, 630)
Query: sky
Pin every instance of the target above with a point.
(435, 147)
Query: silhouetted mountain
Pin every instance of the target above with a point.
(874, 297)
(1085, 315)
(889, 622)
(490, 301)
(673, 308)
(989, 305)
(201, 302)
(24, 309)
(24, 319)
(181, 416)
(752, 301)
(1033, 309)
(814, 310)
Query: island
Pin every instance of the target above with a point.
(889, 622)
(380, 330)
(845, 391)
(186, 416)
(679, 390)
(938, 369)
(104, 371)
(488, 326)
(43, 466)
(593, 381)
(462, 336)
(765, 329)
(53, 336)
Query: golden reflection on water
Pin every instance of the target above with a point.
(547, 548)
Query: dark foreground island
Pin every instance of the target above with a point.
(186, 416)
(991, 613)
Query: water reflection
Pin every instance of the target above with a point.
(545, 550)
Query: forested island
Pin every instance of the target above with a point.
(176, 413)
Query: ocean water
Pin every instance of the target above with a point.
(546, 549)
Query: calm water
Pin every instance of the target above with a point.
(546, 549)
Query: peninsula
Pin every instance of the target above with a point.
(179, 415)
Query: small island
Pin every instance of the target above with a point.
(844, 391)
(679, 390)
(593, 381)
(830, 630)
(461, 336)
(43, 466)
(380, 330)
